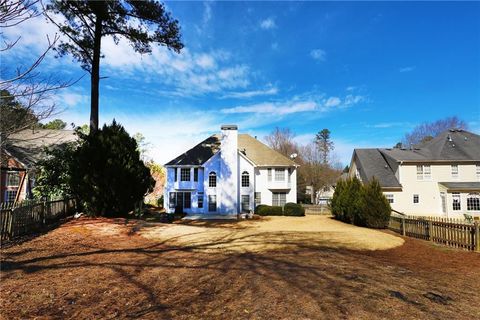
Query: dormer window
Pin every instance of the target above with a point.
(212, 180)
(245, 179)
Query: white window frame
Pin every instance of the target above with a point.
(416, 199)
(279, 199)
(269, 174)
(424, 172)
(212, 179)
(390, 198)
(477, 170)
(200, 200)
(280, 174)
(245, 179)
(456, 200)
(245, 204)
(454, 169)
(212, 199)
(11, 174)
(185, 174)
(474, 196)
(258, 198)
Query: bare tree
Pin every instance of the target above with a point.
(25, 91)
(281, 140)
(429, 130)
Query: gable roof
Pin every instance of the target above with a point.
(371, 163)
(254, 150)
(450, 145)
(28, 146)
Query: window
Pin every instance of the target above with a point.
(13, 179)
(478, 171)
(454, 171)
(195, 174)
(172, 200)
(389, 197)
(473, 202)
(212, 180)
(200, 199)
(279, 174)
(180, 199)
(212, 203)
(424, 172)
(258, 198)
(175, 174)
(269, 170)
(416, 198)
(10, 195)
(245, 203)
(245, 179)
(187, 200)
(279, 198)
(185, 174)
(456, 201)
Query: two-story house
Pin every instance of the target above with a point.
(227, 174)
(19, 156)
(439, 177)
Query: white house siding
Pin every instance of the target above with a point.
(228, 177)
(429, 191)
(266, 188)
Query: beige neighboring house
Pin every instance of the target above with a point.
(438, 178)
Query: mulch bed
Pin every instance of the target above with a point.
(75, 272)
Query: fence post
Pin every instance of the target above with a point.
(430, 229)
(403, 226)
(477, 237)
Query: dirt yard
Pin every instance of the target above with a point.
(278, 268)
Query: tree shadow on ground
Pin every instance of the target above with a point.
(130, 277)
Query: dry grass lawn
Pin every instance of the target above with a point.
(277, 268)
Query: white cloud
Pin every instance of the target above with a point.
(333, 102)
(251, 93)
(268, 24)
(384, 125)
(297, 104)
(206, 61)
(273, 108)
(318, 54)
(407, 69)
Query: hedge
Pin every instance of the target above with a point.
(293, 209)
(264, 210)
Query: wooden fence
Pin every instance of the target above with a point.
(456, 233)
(29, 217)
(316, 209)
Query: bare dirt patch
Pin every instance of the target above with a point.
(271, 233)
(101, 268)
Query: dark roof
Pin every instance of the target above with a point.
(461, 186)
(254, 150)
(450, 145)
(28, 146)
(198, 154)
(371, 163)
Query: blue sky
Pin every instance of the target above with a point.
(368, 71)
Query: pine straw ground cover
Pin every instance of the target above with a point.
(103, 268)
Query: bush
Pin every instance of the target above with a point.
(361, 205)
(107, 174)
(374, 209)
(264, 210)
(293, 209)
(160, 202)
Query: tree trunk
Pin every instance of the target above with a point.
(95, 77)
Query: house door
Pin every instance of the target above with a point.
(444, 202)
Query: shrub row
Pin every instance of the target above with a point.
(361, 205)
(290, 209)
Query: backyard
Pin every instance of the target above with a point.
(278, 267)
